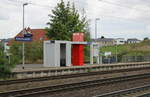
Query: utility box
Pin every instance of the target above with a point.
(57, 53)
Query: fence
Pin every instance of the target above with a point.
(125, 59)
(135, 58)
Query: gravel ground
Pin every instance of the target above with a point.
(69, 80)
(93, 91)
(137, 93)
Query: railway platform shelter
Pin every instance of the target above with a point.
(68, 53)
(60, 53)
(57, 53)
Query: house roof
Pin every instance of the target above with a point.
(104, 39)
(37, 34)
(119, 39)
(133, 39)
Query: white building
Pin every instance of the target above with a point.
(120, 41)
(6, 47)
(133, 40)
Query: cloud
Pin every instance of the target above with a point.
(121, 18)
(4, 17)
(3, 14)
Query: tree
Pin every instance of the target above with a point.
(64, 21)
(102, 37)
(146, 38)
(5, 65)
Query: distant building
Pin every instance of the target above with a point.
(105, 41)
(5, 45)
(120, 41)
(37, 34)
(133, 40)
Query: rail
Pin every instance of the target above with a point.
(38, 79)
(32, 92)
(124, 92)
(144, 95)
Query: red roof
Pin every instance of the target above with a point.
(37, 34)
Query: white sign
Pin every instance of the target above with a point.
(96, 50)
(107, 53)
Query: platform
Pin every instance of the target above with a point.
(36, 70)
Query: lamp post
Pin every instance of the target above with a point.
(98, 57)
(23, 55)
(97, 19)
(116, 54)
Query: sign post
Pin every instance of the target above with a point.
(27, 37)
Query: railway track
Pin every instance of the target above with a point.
(35, 92)
(144, 95)
(143, 91)
(38, 79)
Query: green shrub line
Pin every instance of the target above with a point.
(137, 49)
(6, 64)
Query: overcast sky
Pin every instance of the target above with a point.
(118, 18)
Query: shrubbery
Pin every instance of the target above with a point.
(33, 52)
(6, 64)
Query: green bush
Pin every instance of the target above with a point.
(5, 65)
(33, 52)
(87, 54)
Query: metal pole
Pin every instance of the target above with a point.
(96, 27)
(91, 53)
(96, 36)
(116, 54)
(23, 45)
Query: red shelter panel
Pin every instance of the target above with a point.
(78, 37)
(78, 49)
(78, 55)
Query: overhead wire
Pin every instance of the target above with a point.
(108, 2)
(46, 6)
(119, 17)
(124, 6)
(20, 2)
(105, 15)
(109, 15)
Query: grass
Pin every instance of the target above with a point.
(113, 49)
(138, 49)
